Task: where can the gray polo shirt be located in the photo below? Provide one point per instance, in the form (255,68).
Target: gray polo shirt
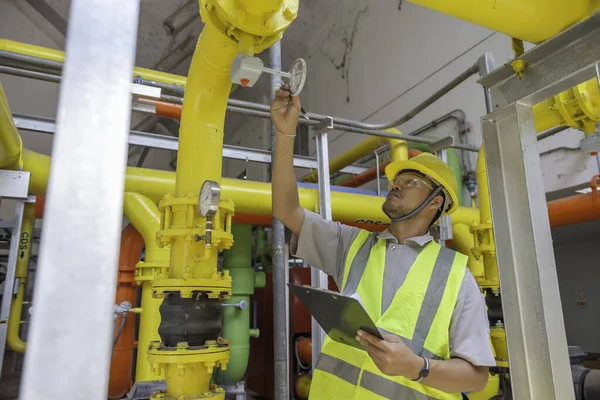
(325,244)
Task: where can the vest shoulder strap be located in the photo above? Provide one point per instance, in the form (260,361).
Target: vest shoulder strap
(360,240)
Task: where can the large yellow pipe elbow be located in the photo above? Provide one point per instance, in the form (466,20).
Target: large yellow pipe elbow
(143,214)
(398,152)
(533,20)
(11,146)
(13,339)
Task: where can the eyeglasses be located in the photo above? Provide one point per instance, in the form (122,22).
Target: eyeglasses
(408,182)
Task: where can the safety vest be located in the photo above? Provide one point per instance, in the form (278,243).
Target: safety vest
(420,314)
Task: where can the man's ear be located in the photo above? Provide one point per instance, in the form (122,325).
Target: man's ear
(437,202)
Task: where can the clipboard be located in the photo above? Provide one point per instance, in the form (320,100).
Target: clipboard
(341,317)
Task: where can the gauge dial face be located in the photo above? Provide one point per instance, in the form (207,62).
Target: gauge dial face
(208,201)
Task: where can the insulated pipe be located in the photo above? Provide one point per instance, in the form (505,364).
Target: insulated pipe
(11,145)
(143,214)
(533,20)
(13,338)
(121,363)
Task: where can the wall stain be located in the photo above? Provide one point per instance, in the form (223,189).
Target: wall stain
(347,39)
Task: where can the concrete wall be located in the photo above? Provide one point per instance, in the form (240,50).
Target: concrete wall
(373,62)
(578,266)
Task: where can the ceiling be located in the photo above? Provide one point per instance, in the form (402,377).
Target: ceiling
(157,48)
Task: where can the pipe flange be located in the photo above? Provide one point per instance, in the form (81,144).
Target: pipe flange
(219,287)
(215,393)
(243,21)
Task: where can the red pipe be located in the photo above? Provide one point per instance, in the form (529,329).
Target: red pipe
(371,173)
(121,364)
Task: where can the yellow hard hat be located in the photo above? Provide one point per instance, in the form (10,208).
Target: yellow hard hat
(436,170)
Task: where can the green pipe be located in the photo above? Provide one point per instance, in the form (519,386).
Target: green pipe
(236,321)
(453,163)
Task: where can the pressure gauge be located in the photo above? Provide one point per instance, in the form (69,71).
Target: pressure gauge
(210,196)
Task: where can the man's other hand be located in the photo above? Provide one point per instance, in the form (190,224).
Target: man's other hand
(391,355)
(285,111)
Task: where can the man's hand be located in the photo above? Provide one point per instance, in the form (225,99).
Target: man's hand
(391,355)
(285,111)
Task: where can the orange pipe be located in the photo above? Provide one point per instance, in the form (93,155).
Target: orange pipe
(367,176)
(576,209)
(121,364)
(163,108)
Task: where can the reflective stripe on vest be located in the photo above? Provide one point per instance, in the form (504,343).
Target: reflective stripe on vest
(420,313)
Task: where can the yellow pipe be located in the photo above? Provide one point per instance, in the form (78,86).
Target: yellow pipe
(464,242)
(578,107)
(484,233)
(57,55)
(531,20)
(200,155)
(13,339)
(249,197)
(398,151)
(11,145)
(143,214)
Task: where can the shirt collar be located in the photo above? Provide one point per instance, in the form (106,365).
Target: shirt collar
(419,241)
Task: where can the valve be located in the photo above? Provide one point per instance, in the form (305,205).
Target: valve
(241,305)
(246,70)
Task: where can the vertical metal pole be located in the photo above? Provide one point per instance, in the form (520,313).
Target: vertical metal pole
(280,289)
(9,281)
(70,341)
(317,277)
(535,330)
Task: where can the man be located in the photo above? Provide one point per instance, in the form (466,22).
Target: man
(421,294)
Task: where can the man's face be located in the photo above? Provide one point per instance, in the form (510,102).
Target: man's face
(407,191)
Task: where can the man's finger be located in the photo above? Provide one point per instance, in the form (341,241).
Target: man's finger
(296,102)
(376,356)
(375,341)
(282,94)
(391,338)
(369,347)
